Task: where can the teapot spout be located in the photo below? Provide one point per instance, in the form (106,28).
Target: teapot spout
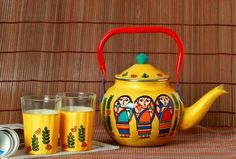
(193,114)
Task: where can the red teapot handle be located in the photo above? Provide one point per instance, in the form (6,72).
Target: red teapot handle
(147,29)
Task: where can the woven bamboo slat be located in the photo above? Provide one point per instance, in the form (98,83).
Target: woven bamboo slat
(50,46)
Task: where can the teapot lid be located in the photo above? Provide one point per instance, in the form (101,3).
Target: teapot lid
(142,71)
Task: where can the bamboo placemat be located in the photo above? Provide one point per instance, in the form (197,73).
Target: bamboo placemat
(199,142)
(50,46)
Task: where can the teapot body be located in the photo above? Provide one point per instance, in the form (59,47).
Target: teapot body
(141,113)
(141,109)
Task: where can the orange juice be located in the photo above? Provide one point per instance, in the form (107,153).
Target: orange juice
(41,128)
(76,128)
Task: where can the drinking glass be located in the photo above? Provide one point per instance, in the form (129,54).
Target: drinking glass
(77,119)
(41,119)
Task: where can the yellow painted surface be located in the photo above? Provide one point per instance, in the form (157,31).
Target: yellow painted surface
(194,113)
(134,90)
(136,72)
(72,118)
(35,122)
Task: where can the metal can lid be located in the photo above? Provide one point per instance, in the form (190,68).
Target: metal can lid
(5,143)
(15,138)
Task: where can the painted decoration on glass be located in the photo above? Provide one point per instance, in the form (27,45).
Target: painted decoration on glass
(35,143)
(81,136)
(46,138)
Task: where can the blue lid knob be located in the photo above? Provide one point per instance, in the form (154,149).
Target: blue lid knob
(142,58)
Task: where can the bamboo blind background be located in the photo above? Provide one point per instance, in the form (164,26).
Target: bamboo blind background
(49,46)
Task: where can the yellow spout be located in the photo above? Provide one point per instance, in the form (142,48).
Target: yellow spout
(194,114)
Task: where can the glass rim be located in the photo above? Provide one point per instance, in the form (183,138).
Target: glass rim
(76,95)
(39,97)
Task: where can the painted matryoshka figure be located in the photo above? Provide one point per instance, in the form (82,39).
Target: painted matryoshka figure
(164,112)
(123,114)
(144,112)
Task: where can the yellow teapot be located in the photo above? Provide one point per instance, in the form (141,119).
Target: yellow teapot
(141,109)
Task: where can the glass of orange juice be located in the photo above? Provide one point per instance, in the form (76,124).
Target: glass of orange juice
(41,120)
(77,118)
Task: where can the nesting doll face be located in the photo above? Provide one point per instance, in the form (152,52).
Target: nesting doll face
(164,100)
(124,101)
(144,102)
